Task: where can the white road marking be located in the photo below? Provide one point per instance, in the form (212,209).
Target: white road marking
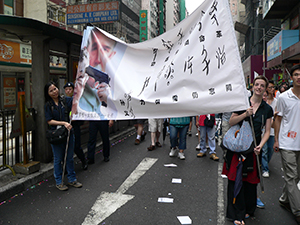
(220,200)
(107,203)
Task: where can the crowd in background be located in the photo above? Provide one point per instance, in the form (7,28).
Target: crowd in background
(267,102)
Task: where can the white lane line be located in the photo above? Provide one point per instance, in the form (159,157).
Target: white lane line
(220,200)
(140,170)
(107,203)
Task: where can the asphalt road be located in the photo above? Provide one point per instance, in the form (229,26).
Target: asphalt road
(126,190)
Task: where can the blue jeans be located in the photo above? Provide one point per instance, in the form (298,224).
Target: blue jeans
(59,157)
(210,136)
(182,136)
(267,152)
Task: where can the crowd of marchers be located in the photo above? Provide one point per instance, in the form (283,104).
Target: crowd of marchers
(274,115)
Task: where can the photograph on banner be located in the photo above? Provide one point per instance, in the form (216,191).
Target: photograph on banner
(99,58)
(192,69)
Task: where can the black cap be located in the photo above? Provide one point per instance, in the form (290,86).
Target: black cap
(69,84)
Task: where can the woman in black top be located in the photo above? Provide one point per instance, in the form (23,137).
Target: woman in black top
(261,113)
(55,108)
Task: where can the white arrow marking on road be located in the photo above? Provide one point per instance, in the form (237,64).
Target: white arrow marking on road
(107,203)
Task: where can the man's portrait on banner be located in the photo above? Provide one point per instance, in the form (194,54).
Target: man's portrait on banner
(93,79)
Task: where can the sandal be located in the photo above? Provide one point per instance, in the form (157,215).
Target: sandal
(238,222)
(151,148)
(158,144)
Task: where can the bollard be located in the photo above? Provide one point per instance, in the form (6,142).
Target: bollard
(25,168)
(23,127)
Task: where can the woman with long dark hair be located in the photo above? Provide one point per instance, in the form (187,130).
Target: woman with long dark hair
(244,204)
(55,113)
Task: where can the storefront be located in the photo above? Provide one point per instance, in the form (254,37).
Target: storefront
(16,70)
(284,48)
(32,53)
(282,52)
(253,66)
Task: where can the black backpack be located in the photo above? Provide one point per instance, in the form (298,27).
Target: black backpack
(209,122)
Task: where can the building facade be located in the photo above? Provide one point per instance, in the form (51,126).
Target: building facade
(257,33)
(175,12)
(283,50)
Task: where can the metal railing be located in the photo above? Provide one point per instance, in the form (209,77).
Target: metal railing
(11,149)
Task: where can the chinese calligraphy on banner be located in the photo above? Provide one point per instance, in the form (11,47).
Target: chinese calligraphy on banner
(193,69)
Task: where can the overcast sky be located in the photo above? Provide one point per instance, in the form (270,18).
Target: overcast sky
(191,5)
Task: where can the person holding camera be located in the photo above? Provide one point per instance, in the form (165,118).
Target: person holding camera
(206,124)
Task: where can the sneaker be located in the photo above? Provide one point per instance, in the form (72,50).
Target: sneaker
(198,147)
(201,154)
(196,134)
(172,152)
(137,142)
(75,184)
(181,155)
(214,157)
(266,174)
(62,187)
(189,133)
(151,148)
(260,204)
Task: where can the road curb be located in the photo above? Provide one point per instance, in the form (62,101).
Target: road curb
(12,185)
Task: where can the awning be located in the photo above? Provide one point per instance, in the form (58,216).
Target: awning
(26,30)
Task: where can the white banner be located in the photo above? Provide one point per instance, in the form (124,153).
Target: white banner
(193,69)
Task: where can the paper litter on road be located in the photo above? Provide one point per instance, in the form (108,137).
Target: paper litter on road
(184,219)
(170,165)
(176,181)
(165,200)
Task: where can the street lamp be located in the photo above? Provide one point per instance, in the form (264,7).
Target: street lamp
(264,48)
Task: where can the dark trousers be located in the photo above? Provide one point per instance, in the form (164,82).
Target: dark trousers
(245,201)
(102,127)
(77,133)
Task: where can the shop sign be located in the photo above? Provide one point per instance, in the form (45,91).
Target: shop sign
(143,25)
(14,52)
(92,13)
(280,42)
(9,90)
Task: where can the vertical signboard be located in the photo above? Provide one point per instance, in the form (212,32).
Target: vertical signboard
(9,91)
(143,25)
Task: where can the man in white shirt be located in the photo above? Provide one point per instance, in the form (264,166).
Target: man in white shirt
(287,142)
